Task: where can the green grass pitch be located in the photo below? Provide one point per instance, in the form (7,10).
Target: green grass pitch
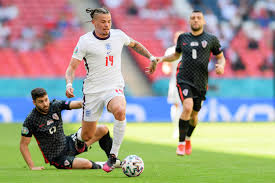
(222,153)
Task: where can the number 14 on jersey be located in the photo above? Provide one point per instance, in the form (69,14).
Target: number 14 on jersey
(109,60)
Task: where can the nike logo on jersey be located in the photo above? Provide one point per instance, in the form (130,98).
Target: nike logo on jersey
(184,44)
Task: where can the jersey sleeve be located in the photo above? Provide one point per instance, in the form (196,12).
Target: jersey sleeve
(79,51)
(216,46)
(125,38)
(26,130)
(179,44)
(61,104)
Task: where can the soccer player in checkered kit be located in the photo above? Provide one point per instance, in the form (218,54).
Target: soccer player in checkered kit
(45,123)
(104,83)
(195,47)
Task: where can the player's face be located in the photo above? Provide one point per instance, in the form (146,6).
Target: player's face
(102,23)
(196,21)
(42,104)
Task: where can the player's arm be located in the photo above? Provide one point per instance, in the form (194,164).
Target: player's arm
(139,48)
(76,104)
(70,73)
(169,58)
(24,149)
(220,63)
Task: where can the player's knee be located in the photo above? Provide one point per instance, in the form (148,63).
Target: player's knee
(87,165)
(103,129)
(187,109)
(86,136)
(119,114)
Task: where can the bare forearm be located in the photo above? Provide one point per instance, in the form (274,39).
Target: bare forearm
(69,75)
(139,48)
(76,105)
(171,58)
(26,155)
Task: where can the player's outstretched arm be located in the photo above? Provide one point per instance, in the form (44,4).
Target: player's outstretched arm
(76,104)
(139,48)
(220,64)
(170,58)
(70,72)
(24,149)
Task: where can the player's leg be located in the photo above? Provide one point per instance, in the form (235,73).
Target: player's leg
(82,163)
(71,162)
(84,134)
(102,135)
(186,96)
(117,106)
(92,110)
(192,124)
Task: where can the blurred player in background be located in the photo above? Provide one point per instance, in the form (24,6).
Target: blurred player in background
(45,123)
(173,94)
(104,84)
(192,75)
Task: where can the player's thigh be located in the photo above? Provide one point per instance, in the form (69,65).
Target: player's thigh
(81,163)
(93,105)
(115,100)
(63,162)
(186,96)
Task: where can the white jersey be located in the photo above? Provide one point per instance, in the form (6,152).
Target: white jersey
(173,96)
(102,59)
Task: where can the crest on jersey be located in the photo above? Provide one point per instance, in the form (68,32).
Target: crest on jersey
(25,130)
(55,116)
(185,92)
(204,43)
(108,48)
(76,50)
(49,122)
(88,113)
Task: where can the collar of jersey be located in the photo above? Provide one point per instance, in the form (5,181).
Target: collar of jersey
(197,35)
(100,37)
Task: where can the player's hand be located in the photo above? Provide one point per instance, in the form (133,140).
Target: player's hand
(151,69)
(153,65)
(69,92)
(219,69)
(38,168)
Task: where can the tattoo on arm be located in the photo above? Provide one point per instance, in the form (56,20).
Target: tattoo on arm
(69,75)
(139,48)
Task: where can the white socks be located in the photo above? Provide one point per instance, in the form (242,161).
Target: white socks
(119,131)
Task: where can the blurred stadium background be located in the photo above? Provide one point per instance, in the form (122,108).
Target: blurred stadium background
(37,38)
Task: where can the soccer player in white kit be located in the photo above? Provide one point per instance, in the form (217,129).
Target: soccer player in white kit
(104,83)
(173,94)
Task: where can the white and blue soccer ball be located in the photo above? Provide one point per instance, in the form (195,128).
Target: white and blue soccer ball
(132,166)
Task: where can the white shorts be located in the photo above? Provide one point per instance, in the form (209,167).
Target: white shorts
(93,104)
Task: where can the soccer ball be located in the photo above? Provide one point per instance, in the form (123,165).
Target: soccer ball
(132,166)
